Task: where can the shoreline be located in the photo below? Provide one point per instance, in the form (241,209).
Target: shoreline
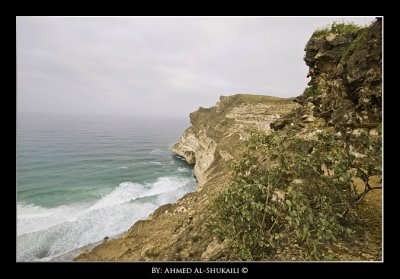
(70,255)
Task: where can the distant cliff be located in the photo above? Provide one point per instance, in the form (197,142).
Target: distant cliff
(217,132)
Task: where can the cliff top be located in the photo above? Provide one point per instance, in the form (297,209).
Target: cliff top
(227,103)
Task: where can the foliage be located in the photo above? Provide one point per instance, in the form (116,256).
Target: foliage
(310,91)
(353,45)
(315,177)
(338,28)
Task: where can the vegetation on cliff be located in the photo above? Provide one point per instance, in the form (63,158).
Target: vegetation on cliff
(296,192)
(338,28)
(293,196)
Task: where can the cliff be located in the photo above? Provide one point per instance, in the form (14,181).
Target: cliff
(178,231)
(346,77)
(217,132)
(344,97)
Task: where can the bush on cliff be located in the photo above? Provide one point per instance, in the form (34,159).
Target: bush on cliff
(338,28)
(290,197)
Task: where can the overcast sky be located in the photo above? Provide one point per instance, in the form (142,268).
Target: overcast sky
(157,66)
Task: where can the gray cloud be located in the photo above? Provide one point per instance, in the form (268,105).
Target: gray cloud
(157,66)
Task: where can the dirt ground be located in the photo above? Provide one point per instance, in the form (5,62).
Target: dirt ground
(366,243)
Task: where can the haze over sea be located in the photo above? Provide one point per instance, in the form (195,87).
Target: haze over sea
(82,178)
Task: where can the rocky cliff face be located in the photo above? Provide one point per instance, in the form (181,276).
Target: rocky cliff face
(178,231)
(344,97)
(345,90)
(346,77)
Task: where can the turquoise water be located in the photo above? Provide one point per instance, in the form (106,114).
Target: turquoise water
(80,179)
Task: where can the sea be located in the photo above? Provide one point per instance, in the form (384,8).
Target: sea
(83,178)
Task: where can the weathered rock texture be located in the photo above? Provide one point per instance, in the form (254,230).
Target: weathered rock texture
(216,132)
(346,75)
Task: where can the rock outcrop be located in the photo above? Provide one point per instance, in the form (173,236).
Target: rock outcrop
(345,90)
(346,77)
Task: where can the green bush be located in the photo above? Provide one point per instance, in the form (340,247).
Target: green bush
(338,28)
(313,174)
(310,91)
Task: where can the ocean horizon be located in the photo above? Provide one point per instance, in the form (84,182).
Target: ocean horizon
(83,178)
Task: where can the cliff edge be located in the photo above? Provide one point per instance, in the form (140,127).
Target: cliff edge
(178,231)
(216,133)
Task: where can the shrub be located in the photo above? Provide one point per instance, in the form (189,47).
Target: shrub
(314,177)
(338,28)
(310,91)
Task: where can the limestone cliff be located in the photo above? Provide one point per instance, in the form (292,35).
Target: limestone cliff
(216,133)
(178,231)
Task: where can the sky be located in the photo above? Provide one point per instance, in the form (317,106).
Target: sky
(158,66)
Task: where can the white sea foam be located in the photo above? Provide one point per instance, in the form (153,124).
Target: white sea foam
(183,170)
(156,163)
(157,152)
(32,218)
(179,157)
(44,233)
